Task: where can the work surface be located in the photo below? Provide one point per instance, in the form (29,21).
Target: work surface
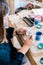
(34,54)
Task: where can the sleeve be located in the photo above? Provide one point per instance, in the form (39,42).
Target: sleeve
(7,59)
(4,57)
(17,59)
(10,32)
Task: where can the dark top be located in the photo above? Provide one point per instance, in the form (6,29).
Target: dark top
(9,54)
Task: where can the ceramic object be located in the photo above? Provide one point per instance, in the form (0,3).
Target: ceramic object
(40,46)
(38,35)
(41,60)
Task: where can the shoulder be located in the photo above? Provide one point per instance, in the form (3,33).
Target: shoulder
(9,32)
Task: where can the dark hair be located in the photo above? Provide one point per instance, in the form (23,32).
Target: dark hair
(3,12)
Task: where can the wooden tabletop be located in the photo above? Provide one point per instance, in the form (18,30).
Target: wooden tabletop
(34,54)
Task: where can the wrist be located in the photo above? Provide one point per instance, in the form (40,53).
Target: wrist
(24,49)
(27,45)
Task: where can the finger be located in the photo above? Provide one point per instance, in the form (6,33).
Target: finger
(22,33)
(29,37)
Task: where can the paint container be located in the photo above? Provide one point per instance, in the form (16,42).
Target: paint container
(41,60)
(40,45)
(39,26)
(37,19)
(38,35)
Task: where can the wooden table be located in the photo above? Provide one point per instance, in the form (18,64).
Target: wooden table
(34,54)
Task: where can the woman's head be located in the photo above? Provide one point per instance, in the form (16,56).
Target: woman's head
(3,12)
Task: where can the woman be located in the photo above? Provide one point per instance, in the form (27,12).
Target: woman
(8,54)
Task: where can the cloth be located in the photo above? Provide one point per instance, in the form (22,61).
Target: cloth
(9,54)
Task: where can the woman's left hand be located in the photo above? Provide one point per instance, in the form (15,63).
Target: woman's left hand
(21,31)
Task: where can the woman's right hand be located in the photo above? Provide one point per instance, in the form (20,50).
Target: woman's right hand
(27,44)
(29,41)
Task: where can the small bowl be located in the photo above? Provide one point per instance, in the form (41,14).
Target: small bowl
(39,26)
(40,46)
(41,60)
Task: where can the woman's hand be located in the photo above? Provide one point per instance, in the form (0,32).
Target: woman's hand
(21,31)
(27,44)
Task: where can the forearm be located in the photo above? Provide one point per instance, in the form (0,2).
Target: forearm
(14,33)
(24,49)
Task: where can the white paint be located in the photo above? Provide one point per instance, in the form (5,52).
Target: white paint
(19,3)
